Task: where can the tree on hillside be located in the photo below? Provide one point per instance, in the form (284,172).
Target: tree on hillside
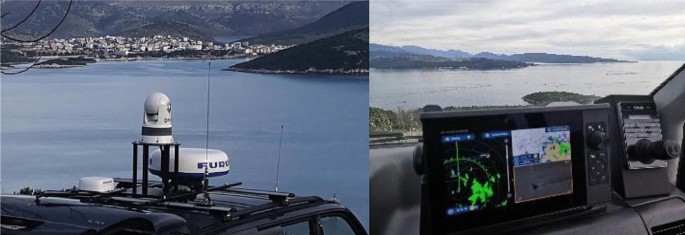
(7,32)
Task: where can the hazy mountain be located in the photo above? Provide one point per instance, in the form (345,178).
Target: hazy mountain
(207,18)
(416,50)
(378,47)
(453,54)
(169,28)
(84,19)
(390,54)
(243,17)
(352,16)
(383,51)
(490,55)
(344,53)
(414,57)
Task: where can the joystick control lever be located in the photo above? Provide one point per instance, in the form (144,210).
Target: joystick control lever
(647,151)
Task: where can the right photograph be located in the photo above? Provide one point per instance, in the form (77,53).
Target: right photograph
(526,117)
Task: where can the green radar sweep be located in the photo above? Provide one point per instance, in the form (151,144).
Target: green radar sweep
(480,192)
(481,184)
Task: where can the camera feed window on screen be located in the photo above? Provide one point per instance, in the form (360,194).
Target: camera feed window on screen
(494,169)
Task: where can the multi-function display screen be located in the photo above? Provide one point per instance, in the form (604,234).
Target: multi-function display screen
(485,168)
(502,167)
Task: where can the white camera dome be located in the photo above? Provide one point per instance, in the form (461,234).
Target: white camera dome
(157,119)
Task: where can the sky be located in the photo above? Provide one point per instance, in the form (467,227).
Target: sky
(622,29)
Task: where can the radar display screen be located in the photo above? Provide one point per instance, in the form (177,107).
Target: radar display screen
(497,168)
(492,167)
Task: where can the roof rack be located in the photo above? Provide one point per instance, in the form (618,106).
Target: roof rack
(269,206)
(123,197)
(279,197)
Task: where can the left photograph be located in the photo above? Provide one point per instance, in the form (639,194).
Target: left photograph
(184,117)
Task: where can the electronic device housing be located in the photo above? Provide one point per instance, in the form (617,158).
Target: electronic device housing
(632,178)
(669,97)
(586,127)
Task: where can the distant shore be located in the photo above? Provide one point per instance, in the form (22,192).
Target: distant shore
(56,66)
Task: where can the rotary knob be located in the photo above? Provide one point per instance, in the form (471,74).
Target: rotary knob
(597,139)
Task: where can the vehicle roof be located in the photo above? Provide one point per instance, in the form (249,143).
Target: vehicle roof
(232,209)
(255,211)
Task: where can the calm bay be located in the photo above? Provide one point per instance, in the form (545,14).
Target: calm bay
(59,125)
(410,89)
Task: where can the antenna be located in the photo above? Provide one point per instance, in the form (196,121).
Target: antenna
(278,166)
(206,175)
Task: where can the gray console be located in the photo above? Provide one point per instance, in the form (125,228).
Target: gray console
(496,171)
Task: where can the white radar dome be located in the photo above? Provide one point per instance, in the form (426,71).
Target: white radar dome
(191,164)
(96,184)
(157,120)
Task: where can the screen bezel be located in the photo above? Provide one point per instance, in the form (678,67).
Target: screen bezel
(435,125)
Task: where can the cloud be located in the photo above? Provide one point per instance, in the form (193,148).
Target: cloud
(659,52)
(605,28)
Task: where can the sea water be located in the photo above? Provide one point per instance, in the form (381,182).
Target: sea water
(59,125)
(409,89)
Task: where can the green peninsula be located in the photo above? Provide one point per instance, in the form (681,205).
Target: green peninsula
(346,53)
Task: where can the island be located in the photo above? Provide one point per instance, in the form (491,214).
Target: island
(542,98)
(64,62)
(432,62)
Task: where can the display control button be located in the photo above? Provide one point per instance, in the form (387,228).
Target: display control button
(598,168)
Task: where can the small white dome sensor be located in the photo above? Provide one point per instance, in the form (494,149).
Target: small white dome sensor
(157,120)
(96,184)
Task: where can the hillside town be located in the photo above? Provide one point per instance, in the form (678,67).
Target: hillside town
(113,47)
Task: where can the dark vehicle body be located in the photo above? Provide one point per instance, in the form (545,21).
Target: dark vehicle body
(229,210)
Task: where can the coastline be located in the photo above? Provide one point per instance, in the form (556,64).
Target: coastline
(56,66)
(258,71)
(123,59)
(309,71)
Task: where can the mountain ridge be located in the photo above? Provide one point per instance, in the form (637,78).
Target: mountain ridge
(381,51)
(352,16)
(209,18)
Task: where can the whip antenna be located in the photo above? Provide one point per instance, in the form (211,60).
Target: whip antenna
(206,175)
(278,166)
